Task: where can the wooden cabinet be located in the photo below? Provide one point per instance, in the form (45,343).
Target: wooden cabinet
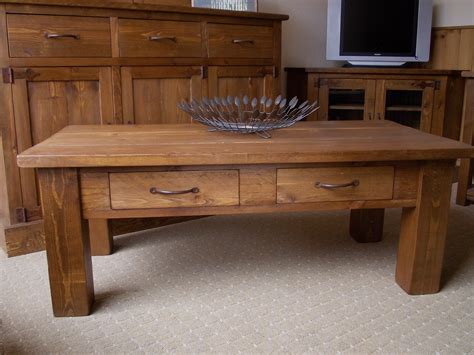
(150,94)
(58,36)
(148,38)
(112,62)
(45,100)
(342,99)
(253,81)
(240,41)
(429,100)
(408,102)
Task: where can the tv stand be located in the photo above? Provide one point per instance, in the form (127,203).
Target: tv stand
(429,100)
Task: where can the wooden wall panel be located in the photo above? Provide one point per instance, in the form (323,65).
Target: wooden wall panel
(452,48)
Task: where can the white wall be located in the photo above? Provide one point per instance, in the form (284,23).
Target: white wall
(304,34)
(453,13)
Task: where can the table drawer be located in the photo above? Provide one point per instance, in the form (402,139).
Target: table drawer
(329,184)
(174,189)
(240,41)
(58,36)
(149,38)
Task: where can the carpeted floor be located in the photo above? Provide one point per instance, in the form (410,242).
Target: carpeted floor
(252,284)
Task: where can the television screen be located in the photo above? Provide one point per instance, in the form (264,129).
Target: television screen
(379,27)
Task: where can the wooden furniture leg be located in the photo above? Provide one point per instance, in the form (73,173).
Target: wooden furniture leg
(100,232)
(423,231)
(67,243)
(366,226)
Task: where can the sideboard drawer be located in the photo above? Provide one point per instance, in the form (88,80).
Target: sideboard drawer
(238,41)
(58,36)
(149,38)
(174,189)
(335,184)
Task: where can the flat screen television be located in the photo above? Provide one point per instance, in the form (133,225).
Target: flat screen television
(379,32)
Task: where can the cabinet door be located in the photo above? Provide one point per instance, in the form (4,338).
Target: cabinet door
(150,94)
(46,100)
(345,99)
(408,102)
(240,81)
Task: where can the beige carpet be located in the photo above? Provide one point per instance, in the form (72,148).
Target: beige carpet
(252,284)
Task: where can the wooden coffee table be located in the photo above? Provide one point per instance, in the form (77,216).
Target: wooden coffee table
(98,173)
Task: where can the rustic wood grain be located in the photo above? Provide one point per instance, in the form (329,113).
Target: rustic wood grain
(298,185)
(68,81)
(132,190)
(24,238)
(442,92)
(423,231)
(252,81)
(45,100)
(24,140)
(258,41)
(13,193)
(467,136)
(257,186)
(452,48)
(27,36)
(101,239)
(67,243)
(151,94)
(366,226)
(134,38)
(306,142)
(144,7)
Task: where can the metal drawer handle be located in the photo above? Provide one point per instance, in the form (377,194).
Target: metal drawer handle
(238,41)
(162,38)
(61,35)
(156,191)
(322,185)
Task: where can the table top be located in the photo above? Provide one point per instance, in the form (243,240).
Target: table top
(192,144)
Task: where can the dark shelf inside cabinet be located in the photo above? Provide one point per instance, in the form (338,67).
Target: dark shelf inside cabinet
(406,118)
(344,97)
(346,114)
(404,107)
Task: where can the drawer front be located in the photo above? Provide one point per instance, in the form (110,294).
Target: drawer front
(148,38)
(174,189)
(314,185)
(58,36)
(239,41)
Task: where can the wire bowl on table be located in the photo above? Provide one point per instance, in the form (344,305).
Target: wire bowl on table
(240,114)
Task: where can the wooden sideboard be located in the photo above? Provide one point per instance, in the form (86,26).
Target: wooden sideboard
(465,194)
(430,100)
(91,62)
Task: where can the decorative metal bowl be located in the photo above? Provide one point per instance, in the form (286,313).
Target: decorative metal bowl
(242,115)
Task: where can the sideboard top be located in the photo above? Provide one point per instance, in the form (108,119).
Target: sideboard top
(103,4)
(193,144)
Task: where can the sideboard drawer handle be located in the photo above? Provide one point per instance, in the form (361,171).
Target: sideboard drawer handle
(61,35)
(156,191)
(322,185)
(239,41)
(161,38)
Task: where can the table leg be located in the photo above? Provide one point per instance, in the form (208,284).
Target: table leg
(366,226)
(67,243)
(102,242)
(423,231)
